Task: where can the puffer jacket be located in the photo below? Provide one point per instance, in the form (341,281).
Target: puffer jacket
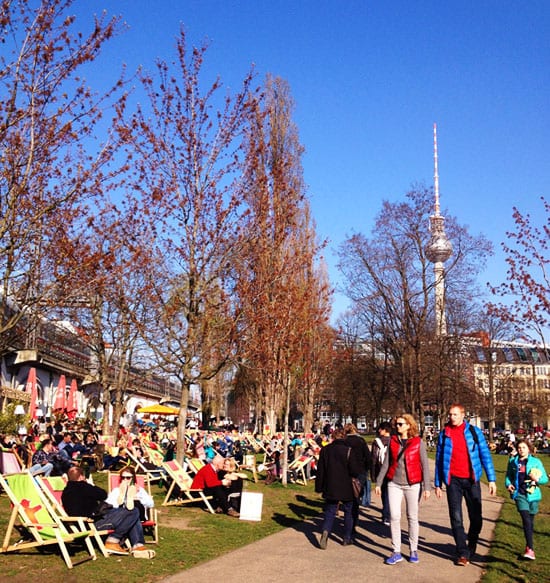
(512,476)
(480,456)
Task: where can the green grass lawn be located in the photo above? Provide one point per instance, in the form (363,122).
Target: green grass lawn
(188,536)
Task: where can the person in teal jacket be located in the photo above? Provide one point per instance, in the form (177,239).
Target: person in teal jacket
(524,476)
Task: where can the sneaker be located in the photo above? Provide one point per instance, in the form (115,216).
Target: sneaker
(324,539)
(144,554)
(115,549)
(529,554)
(346,542)
(139,548)
(414,557)
(233,512)
(462,561)
(386,522)
(394,558)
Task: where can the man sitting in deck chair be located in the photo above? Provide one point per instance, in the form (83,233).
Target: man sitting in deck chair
(83,499)
(207,480)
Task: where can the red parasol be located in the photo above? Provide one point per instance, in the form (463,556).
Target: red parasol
(60,396)
(32,390)
(72,406)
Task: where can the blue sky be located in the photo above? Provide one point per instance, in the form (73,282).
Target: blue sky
(369,80)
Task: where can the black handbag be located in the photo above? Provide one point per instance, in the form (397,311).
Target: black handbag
(101,510)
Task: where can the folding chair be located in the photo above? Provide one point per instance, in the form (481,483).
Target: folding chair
(53,487)
(156,456)
(298,466)
(153,475)
(194,464)
(10,463)
(34,513)
(249,463)
(183,480)
(150,524)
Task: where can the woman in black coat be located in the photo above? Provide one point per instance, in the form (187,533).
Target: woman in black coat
(337,465)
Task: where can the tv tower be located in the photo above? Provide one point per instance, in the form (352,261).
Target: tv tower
(438,250)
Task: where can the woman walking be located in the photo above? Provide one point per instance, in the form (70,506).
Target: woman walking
(406,469)
(524,475)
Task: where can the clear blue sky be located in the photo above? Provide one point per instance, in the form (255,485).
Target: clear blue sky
(369,80)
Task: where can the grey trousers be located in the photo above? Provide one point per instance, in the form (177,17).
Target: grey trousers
(396,493)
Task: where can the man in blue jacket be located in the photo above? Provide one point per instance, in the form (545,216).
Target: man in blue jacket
(462,454)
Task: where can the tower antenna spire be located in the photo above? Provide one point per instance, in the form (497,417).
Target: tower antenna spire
(436,174)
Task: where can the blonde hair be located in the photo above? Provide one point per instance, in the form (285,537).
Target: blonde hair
(230,461)
(411,421)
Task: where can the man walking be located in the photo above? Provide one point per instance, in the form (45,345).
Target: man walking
(462,454)
(379,448)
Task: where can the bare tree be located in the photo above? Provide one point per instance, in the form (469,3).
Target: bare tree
(389,275)
(50,160)
(186,179)
(527,282)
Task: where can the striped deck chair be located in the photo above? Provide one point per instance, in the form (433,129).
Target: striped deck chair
(183,480)
(53,487)
(298,467)
(150,524)
(32,511)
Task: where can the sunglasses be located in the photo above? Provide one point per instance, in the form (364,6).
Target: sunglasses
(399,424)
(126,477)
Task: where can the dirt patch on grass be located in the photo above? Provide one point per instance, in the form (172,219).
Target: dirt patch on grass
(179,522)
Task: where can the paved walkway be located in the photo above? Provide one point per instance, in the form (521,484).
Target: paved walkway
(294,555)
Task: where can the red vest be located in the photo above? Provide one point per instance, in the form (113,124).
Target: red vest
(413,465)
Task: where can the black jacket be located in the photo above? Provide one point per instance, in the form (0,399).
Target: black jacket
(81,498)
(361,449)
(337,463)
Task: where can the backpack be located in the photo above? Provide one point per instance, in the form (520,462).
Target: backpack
(381,450)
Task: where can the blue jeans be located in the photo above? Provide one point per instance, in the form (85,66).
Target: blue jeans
(366,495)
(39,469)
(331,506)
(471,492)
(124,523)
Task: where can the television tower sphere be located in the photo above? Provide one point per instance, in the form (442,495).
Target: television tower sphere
(439,248)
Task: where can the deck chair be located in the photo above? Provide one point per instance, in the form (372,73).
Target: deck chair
(33,512)
(298,466)
(155,455)
(249,463)
(53,487)
(150,524)
(10,463)
(183,480)
(153,475)
(194,464)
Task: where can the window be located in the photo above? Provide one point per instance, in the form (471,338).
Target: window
(521,354)
(480,354)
